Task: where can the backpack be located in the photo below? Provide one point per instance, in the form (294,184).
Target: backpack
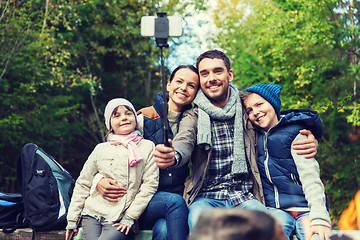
(11,212)
(46,188)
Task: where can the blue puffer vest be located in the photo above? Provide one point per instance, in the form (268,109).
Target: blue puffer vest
(171,179)
(280,179)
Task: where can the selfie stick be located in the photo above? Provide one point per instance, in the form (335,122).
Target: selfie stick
(159,27)
(161,36)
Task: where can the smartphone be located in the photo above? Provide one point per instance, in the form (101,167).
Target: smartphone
(149,28)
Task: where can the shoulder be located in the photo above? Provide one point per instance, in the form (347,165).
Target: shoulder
(146,148)
(147,143)
(188,119)
(301,115)
(192,112)
(149,112)
(304,118)
(101,146)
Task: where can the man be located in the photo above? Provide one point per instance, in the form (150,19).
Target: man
(225,172)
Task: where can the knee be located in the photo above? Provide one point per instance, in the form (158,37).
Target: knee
(176,202)
(176,199)
(160,230)
(194,214)
(285,219)
(253,204)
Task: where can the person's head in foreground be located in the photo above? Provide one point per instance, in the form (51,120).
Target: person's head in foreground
(236,224)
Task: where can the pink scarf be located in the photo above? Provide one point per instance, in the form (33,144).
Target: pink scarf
(130,142)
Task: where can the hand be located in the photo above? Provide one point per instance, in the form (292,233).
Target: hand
(306,147)
(70,233)
(164,156)
(122,228)
(324,232)
(110,190)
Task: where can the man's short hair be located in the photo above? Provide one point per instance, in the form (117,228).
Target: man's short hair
(214,54)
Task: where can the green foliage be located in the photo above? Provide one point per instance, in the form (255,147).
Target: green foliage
(310,48)
(340,173)
(60,63)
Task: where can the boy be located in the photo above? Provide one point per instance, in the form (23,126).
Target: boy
(292,187)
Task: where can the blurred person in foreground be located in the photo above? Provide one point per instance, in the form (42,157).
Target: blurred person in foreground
(236,224)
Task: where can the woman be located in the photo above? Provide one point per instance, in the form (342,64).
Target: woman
(167,212)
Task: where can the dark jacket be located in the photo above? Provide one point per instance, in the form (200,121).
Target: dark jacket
(280,178)
(171,179)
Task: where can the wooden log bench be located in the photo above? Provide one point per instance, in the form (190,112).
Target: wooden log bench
(354,234)
(26,234)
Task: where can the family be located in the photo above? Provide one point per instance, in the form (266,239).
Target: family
(244,153)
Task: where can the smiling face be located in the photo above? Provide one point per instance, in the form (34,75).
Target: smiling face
(260,111)
(123,121)
(215,80)
(182,89)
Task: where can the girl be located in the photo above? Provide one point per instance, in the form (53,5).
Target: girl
(128,159)
(167,212)
(292,186)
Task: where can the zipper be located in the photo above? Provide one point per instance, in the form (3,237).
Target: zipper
(267,171)
(293,177)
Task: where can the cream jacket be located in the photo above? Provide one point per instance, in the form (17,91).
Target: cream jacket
(141,182)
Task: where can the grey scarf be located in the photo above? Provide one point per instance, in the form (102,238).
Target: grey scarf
(233,108)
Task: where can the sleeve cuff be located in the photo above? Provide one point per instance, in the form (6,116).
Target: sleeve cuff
(128,221)
(96,180)
(71,225)
(320,222)
(177,159)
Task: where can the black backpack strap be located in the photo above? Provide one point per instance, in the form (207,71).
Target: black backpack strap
(21,222)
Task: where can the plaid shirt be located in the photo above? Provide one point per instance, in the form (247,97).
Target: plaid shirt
(219,182)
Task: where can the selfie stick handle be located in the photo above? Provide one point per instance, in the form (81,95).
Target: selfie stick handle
(165,105)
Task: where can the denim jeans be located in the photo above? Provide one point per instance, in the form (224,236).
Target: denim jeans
(95,230)
(201,204)
(166,214)
(296,224)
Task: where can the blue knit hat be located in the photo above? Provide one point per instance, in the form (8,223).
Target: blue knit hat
(270,92)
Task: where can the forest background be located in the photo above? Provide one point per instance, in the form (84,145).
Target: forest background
(61,61)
